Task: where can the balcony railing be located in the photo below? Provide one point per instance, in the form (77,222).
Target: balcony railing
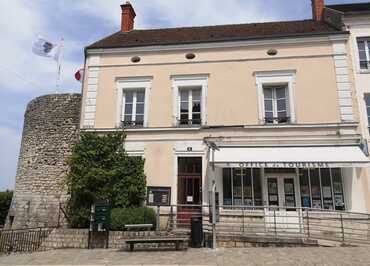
(277,120)
(189,122)
(132,124)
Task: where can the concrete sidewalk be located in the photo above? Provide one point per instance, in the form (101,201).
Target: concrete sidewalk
(244,256)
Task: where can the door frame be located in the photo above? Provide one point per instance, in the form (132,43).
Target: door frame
(281,176)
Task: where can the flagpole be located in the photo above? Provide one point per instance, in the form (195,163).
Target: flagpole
(59,66)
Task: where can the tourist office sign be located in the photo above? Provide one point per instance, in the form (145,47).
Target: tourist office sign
(282,164)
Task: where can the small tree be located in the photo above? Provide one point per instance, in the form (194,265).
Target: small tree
(5,201)
(101,170)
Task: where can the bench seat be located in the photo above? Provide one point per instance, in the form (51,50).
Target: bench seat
(175,240)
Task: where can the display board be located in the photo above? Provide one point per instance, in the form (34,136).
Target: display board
(159,196)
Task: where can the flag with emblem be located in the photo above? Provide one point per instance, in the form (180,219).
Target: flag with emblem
(43,47)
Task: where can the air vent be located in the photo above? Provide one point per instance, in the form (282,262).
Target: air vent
(272,52)
(135,59)
(190,56)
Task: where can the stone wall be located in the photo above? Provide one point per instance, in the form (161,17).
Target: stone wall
(78,238)
(51,125)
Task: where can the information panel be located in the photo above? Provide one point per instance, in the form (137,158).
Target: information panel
(159,196)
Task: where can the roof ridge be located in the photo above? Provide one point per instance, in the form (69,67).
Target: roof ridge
(221,25)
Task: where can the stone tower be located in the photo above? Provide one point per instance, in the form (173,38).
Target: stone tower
(51,125)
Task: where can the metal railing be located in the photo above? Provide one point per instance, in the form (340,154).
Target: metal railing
(22,240)
(271,222)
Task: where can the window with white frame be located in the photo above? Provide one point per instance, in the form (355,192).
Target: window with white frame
(190,106)
(189,100)
(133,108)
(276,103)
(275,96)
(363,45)
(133,102)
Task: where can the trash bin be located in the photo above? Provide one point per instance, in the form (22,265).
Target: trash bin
(196,232)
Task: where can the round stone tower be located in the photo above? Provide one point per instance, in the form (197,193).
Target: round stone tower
(51,125)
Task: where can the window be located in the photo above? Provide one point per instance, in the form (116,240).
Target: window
(133,102)
(133,108)
(275,91)
(367,102)
(190,106)
(276,104)
(363,45)
(189,100)
(242,187)
(321,188)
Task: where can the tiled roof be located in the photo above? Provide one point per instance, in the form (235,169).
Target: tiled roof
(351,8)
(221,33)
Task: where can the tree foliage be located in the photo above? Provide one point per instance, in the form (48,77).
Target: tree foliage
(5,201)
(101,170)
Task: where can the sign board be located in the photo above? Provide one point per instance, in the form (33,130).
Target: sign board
(159,196)
(101,216)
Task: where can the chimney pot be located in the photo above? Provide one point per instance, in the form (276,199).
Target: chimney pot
(128,16)
(317,9)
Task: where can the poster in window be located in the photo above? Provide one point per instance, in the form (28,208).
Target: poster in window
(339,200)
(315,191)
(305,190)
(326,191)
(337,187)
(159,196)
(316,204)
(306,201)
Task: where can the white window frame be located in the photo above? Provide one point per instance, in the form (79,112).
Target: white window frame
(274,100)
(367,41)
(189,81)
(133,84)
(273,78)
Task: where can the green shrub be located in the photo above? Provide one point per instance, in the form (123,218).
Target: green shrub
(5,201)
(101,171)
(141,215)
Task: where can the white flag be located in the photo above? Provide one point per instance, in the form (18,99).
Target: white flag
(45,48)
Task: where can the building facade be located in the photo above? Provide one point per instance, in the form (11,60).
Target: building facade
(266,113)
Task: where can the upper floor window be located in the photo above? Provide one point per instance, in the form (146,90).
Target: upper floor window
(133,108)
(367,102)
(190,106)
(189,100)
(275,96)
(363,52)
(276,104)
(133,102)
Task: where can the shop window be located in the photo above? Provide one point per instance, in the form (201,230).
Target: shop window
(326,189)
(321,188)
(305,188)
(367,103)
(242,187)
(338,189)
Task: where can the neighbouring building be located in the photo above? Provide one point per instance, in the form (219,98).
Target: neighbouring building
(267,111)
(356,19)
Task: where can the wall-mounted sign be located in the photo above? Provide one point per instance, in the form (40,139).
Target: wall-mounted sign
(159,196)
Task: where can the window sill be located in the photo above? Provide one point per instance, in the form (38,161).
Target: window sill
(363,72)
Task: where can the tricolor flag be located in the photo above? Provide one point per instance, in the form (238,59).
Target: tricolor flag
(79,75)
(46,48)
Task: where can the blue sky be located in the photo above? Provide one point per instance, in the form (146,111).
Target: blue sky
(24,75)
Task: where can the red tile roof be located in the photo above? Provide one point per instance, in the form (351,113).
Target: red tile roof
(221,33)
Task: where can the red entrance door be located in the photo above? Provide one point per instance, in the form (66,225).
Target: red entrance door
(189,189)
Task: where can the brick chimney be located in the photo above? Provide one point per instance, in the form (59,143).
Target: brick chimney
(128,16)
(317,9)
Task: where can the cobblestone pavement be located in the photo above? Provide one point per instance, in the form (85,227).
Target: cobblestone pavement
(243,256)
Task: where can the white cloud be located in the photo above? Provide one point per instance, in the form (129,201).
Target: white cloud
(10,145)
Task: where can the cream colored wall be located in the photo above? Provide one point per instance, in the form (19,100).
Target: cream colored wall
(232,95)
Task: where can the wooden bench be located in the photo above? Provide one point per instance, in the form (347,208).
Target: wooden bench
(175,240)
